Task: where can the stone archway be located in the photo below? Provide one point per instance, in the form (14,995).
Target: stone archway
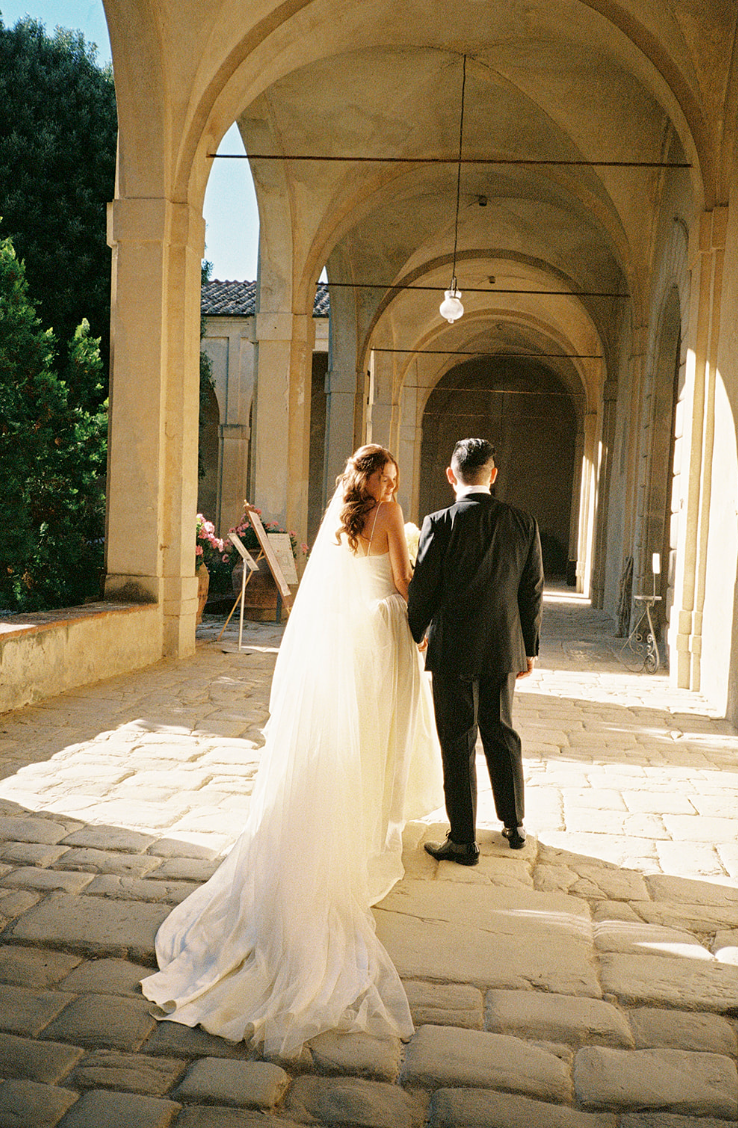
(527,412)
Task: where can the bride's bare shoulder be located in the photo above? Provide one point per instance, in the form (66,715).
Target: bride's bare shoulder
(390,512)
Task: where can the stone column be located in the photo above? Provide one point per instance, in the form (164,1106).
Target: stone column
(587,502)
(339,422)
(704,334)
(609,410)
(154,401)
(281,418)
(572,570)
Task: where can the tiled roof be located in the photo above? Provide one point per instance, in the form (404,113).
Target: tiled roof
(238,299)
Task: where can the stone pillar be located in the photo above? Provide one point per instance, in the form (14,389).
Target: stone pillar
(609,411)
(281,418)
(409,444)
(576,504)
(704,334)
(587,502)
(154,403)
(234,452)
(339,422)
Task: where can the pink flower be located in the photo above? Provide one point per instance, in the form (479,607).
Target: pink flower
(226,558)
(198,550)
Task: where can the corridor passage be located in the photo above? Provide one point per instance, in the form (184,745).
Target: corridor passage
(589,980)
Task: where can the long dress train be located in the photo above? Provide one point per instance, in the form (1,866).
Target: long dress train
(280,945)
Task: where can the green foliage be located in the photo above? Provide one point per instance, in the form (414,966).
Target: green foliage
(58,136)
(52,457)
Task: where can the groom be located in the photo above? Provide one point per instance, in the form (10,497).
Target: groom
(478,586)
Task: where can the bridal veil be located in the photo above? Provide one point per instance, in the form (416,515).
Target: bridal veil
(279,945)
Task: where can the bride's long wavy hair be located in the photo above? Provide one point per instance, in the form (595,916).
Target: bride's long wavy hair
(357,501)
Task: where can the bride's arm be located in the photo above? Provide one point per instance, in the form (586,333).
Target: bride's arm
(402,571)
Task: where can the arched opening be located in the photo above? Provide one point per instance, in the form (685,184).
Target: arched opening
(524,408)
(208,457)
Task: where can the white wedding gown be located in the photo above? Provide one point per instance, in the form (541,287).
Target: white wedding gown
(279,945)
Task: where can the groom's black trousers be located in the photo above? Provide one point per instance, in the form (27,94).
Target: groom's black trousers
(463,708)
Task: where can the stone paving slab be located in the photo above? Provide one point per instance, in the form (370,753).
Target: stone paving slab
(247,1084)
(443,930)
(556,1018)
(443,1057)
(137,1073)
(640,939)
(28,877)
(207,1116)
(103,861)
(101,1109)
(106,977)
(32,830)
(674,1080)
(110,838)
(92,925)
(476,1108)
(140,889)
(26,1011)
(445,1004)
(34,967)
(358,1054)
(682,1030)
(355,1103)
(46,1062)
(172,1038)
(671,1120)
(102,1020)
(31,853)
(27,1104)
(671,982)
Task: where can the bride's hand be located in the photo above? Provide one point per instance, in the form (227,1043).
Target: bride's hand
(423,646)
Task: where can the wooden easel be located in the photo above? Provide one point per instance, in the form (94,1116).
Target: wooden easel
(250,565)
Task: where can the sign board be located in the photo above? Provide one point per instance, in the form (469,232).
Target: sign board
(271,557)
(282,546)
(243,552)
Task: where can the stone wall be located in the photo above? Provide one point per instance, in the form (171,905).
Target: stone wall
(55,651)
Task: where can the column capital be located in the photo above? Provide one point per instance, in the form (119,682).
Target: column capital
(712,230)
(142,220)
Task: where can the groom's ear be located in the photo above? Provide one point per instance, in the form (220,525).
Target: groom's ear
(493,475)
(451,477)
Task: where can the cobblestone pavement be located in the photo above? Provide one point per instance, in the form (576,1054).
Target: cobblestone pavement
(589,980)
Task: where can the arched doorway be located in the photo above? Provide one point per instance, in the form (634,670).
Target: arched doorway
(524,408)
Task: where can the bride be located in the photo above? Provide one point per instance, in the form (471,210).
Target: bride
(280,945)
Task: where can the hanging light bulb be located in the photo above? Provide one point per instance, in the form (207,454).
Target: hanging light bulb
(451,307)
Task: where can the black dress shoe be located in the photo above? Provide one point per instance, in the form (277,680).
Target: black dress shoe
(515,836)
(466,854)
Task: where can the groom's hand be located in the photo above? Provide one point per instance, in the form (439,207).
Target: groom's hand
(529,670)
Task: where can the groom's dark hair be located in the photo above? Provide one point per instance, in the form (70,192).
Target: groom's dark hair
(471,458)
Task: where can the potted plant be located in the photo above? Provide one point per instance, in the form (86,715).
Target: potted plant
(208,550)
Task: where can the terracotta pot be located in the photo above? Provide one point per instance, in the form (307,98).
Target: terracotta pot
(260,602)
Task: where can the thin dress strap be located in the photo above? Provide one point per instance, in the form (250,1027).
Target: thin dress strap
(374,522)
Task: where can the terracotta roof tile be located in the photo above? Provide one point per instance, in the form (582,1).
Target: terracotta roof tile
(238,299)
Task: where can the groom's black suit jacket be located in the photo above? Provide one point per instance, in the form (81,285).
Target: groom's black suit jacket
(478,584)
